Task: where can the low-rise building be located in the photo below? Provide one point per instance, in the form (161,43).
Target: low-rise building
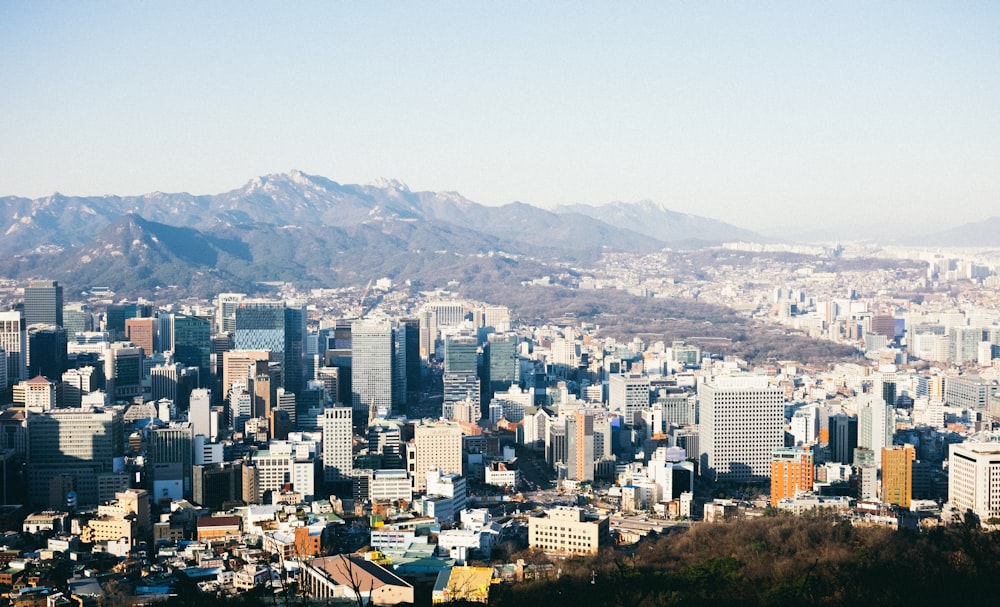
(567,530)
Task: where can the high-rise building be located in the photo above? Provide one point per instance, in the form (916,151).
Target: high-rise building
(278,329)
(580,452)
(47,351)
(461,354)
(40,394)
(78,382)
(117,314)
(502,367)
(897,474)
(169,460)
(792,471)
(192,345)
(81,443)
(371,369)
(843,437)
(142,333)
(435,445)
(337,452)
(215,485)
(627,395)
(200,413)
(876,425)
(14,343)
(77,319)
(226,311)
(974,478)
(43,303)
(414,365)
(240,365)
(123,369)
(741,422)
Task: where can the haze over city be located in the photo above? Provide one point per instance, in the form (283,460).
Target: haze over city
(764,115)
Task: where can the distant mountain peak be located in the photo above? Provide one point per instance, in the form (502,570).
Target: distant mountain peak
(386,183)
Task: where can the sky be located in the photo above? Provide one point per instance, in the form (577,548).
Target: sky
(762,114)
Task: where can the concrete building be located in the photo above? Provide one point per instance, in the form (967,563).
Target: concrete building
(792,471)
(897,474)
(627,395)
(435,445)
(337,449)
(742,422)
(974,480)
(565,530)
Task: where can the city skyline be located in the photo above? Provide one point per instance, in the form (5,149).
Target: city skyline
(758,115)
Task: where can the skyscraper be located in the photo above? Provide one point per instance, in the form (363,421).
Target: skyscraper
(742,422)
(337,462)
(47,351)
(43,303)
(627,395)
(82,443)
(876,425)
(192,345)
(14,343)
(279,329)
(897,474)
(371,369)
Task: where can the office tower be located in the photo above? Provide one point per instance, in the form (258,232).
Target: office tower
(580,452)
(973,470)
(123,369)
(876,424)
(792,471)
(240,365)
(214,486)
(497,317)
(502,367)
(968,392)
(428,333)
(14,343)
(384,438)
(200,413)
(43,303)
(414,365)
(169,460)
(741,422)
(459,387)
(47,351)
(278,329)
(265,390)
(627,395)
(897,474)
(225,311)
(117,314)
(77,319)
(963,344)
(330,377)
(885,325)
(77,382)
(435,445)
(843,438)
(399,387)
(39,394)
(461,354)
(337,446)
(80,443)
(192,345)
(371,369)
(163,381)
(142,333)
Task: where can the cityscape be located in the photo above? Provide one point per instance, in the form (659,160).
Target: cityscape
(388,445)
(493,303)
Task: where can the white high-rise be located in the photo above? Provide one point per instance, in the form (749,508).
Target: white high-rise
(627,395)
(200,413)
(337,462)
(974,479)
(876,424)
(14,342)
(742,421)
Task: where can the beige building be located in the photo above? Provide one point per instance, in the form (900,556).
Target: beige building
(345,576)
(435,445)
(567,530)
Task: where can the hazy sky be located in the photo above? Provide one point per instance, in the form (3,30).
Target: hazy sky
(753,112)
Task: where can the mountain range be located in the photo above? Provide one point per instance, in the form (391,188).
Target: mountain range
(314,231)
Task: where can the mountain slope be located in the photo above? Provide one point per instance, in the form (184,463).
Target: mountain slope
(656,221)
(985,233)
